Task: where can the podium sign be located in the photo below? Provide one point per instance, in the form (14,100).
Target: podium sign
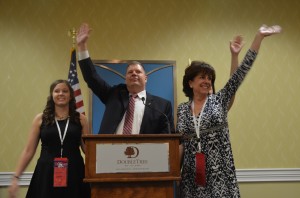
(132,157)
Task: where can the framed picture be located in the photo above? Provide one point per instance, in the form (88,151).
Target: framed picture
(161,82)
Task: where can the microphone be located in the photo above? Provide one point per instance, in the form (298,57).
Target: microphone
(167,119)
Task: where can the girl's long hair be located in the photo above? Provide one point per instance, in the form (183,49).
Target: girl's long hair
(49,111)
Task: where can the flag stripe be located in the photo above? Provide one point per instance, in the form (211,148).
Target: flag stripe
(81,110)
(76,86)
(78,98)
(77,92)
(79,104)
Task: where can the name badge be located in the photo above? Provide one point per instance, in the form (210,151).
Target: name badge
(200,169)
(60,172)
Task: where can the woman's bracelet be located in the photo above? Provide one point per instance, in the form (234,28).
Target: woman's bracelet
(17,177)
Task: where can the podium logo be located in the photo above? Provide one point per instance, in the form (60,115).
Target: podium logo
(132,152)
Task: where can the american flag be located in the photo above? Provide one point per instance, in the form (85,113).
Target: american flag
(73,80)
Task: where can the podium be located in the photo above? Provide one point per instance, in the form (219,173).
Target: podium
(138,166)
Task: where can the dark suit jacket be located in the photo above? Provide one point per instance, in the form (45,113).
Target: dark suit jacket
(116,99)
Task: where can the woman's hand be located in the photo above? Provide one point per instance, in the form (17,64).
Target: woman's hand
(236,44)
(264,30)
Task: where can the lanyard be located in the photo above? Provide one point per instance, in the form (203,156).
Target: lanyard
(60,137)
(197,124)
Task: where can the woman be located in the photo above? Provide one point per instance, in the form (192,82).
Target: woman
(59,171)
(208,166)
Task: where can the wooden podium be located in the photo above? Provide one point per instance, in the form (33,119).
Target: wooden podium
(143,184)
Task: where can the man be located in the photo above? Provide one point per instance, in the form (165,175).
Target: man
(152,118)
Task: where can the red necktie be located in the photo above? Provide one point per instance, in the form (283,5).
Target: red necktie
(127,130)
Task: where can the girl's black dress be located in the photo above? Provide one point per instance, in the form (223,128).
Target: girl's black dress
(41,185)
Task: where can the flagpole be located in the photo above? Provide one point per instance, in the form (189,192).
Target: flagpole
(72,75)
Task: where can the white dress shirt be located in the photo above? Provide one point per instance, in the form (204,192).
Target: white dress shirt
(138,115)
(83,55)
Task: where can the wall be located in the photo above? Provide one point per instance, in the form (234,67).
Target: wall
(264,122)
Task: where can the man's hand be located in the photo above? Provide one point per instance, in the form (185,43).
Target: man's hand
(82,36)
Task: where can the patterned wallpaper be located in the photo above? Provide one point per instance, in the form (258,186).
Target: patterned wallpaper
(264,120)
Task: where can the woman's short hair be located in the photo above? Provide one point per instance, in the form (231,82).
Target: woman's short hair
(194,69)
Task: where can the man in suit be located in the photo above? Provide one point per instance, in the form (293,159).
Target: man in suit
(152,114)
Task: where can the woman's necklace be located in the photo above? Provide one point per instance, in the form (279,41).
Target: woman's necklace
(197,106)
(63,117)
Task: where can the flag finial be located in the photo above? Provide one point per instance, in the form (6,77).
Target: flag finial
(72,33)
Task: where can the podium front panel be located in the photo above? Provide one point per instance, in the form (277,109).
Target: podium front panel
(167,144)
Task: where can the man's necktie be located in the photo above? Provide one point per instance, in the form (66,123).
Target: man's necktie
(127,130)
